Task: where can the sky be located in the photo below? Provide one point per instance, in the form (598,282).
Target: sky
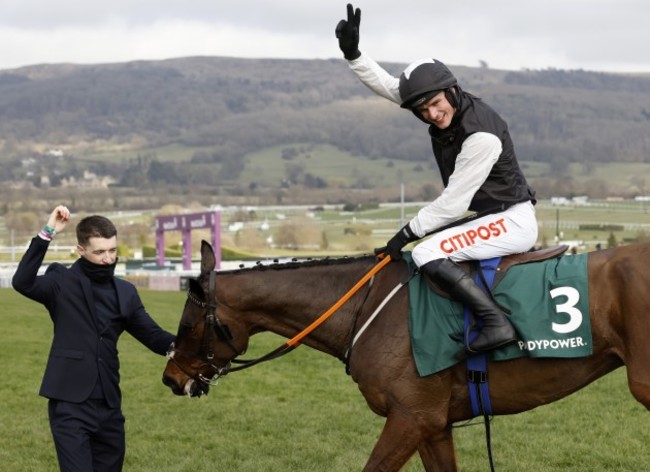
(597,35)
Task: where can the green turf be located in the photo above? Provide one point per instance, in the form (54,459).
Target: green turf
(298,413)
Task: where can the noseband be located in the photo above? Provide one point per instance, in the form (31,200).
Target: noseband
(212,327)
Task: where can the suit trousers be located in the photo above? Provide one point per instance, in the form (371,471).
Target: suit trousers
(88,436)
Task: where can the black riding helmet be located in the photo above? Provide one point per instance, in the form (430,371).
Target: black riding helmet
(422,80)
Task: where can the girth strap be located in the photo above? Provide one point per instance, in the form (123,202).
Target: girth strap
(477,376)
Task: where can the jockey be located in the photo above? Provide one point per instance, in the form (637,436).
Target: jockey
(480,173)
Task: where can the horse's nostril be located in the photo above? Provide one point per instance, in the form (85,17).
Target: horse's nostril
(169,382)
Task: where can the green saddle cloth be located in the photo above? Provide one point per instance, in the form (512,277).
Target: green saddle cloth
(549,306)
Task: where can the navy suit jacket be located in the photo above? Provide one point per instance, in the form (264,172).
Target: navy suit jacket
(84,347)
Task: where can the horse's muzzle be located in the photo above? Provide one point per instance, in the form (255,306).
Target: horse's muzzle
(191,388)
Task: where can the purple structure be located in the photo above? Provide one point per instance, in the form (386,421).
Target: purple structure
(185,224)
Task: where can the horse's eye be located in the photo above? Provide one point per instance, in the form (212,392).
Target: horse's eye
(185,329)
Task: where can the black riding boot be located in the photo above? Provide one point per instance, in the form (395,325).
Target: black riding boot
(497,330)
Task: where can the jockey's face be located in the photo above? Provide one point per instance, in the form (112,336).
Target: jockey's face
(437,111)
(99,250)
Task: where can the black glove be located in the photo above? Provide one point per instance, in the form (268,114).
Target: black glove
(347,31)
(396,243)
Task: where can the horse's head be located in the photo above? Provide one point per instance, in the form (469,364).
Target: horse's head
(205,343)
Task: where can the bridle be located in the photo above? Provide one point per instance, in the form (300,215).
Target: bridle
(213,327)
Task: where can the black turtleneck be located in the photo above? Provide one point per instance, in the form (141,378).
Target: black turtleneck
(100,273)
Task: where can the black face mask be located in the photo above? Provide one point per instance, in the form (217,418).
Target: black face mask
(99,273)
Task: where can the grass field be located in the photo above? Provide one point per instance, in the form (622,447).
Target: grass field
(297,413)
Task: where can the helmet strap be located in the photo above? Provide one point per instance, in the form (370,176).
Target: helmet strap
(451,94)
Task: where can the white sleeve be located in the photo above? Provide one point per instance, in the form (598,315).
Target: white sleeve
(479,153)
(376,78)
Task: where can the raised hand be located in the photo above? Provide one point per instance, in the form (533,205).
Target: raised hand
(59,218)
(347,32)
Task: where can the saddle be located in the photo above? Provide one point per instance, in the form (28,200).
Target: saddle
(506,263)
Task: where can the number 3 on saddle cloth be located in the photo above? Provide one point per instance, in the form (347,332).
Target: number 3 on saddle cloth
(548,303)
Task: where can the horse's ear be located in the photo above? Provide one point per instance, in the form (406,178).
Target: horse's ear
(208,261)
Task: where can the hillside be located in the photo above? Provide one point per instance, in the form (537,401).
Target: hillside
(198,120)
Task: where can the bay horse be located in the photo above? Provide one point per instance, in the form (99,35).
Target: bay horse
(419,411)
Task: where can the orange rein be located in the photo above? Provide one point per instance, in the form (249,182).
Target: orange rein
(321,319)
(294,342)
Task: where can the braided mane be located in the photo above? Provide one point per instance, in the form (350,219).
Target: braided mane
(295,264)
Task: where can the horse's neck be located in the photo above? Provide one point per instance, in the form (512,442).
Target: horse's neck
(286,301)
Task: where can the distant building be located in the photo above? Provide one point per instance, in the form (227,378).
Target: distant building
(89,180)
(563,201)
(54,152)
(581,200)
(559,201)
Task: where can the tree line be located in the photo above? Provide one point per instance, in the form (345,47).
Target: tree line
(230,107)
